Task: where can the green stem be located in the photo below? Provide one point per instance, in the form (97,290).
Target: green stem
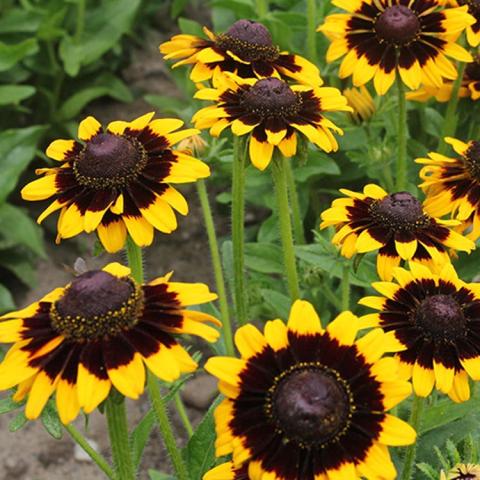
(238,228)
(330,296)
(415,418)
(80,25)
(312,30)
(298,230)
(217,266)
(166,428)
(262,8)
(91,452)
(182,412)
(346,287)
(281,190)
(135,261)
(118,432)
(402,137)
(450,123)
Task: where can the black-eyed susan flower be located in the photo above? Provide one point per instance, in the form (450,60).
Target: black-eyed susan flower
(462,471)
(384,38)
(272,113)
(473,31)
(361,102)
(310,403)
(396,225)
(469,88)
(228,471)
(452,185)
(118,180)
(436,318)
(245,49)
(102,329)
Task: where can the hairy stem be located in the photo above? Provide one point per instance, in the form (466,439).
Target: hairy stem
(311,30)
(415,419)
(298,230)
(402,137)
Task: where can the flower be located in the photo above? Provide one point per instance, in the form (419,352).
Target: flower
(310,403)
(227,471)
(118,180)
(462,471)
(99,331)
(470,86)
(382,38)
(272,111)
(361,102)
(473,31)
(436,318)
(452,185)
(394,224)
(245,49)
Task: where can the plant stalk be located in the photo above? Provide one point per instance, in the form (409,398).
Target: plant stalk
(238,229)
(281,191)
(311,30)
(166,428)
(182,412)
(80,25)
(119,438)
(298,230)
(90,451)
(450,123)
(415,419)
(402,137)
(217,266)
(346,287)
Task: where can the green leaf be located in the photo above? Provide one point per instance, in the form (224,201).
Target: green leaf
(18,263)
(18,422)
(156,475)
(140,436)
(13,94)
(199,454)
(108,85)
(8,405)
(177,7)
(17,149)
(20,229)
(10,55)
(19,20)
(264,257)
(6,300)
(318,163)
(105,25)
(278,302)
(191,27)
(51,421)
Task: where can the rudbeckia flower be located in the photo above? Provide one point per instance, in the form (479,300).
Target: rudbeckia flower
(396,225)
(245,49)
(102,329)
(462,471)
(361,102)
(473,31)
(118,180)
(308,402)
(452,185)
(470,86)
(435,317)
(384,37)
(273,113)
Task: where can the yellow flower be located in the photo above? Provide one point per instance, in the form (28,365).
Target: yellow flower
(118,180)
(362,103)
(462,471)
(102,329)
(300,394)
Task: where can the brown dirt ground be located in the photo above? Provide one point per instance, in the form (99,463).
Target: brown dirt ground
(31,454)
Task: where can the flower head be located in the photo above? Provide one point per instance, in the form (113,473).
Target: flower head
(452,185)
(245,49)
(473,31)
(436,318)
(361,102)
(462,471)
(384,37)
(118,180)
(100,330)
(273,112)
(470,87)
(307,402)
(396,225)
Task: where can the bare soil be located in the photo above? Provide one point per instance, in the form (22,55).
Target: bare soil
(31,454)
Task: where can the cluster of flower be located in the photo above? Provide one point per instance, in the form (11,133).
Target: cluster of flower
(303,401)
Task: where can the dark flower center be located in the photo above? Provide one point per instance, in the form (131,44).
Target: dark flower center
(472,70)
(397,24)
(440,316)
(109,161)
(472,159)
(310,406)
(399,211)
(248,40)
(95,305)
(271,97)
